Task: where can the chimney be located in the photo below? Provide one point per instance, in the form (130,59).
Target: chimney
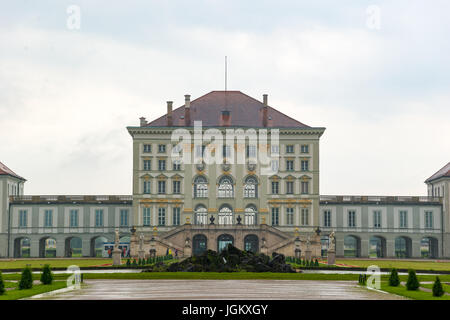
(169,113)
(187,110)
(225,118)
(265,110)
(143,121)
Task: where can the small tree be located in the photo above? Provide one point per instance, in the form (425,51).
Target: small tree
(26,281)
(46,276)
(2,285)
(412,283)
(437,288)
(316,263)
(394,280)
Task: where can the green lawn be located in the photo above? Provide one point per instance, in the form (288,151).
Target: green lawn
(54,263)
(416,295)
(37,289)
(446,287)
(399,264)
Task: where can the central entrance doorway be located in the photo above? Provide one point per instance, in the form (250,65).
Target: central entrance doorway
(223,241)
(200,244)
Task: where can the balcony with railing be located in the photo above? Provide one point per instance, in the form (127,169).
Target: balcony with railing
(75,199)
(332,199)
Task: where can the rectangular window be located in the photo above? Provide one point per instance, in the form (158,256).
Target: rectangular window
(161,165)
(177,165)
(377,219)
(161,216)
(305,187)
(274,165)
(251,151)
(327,218)
(289,187)
(274,149)
(124,218)
(99,218)
(161,148)
(23,218)
(305,217)
(147,187)
(403,215)
(289,148)
(290,216)
(176,187)
(428,220)
(289,165)
(176,216)
(305,165)
(275,187)
(147,165)
(275,216)
(304,148)
(161,187)
(73,218)
(48,218)
(146,217)
(147,148)
(352,219)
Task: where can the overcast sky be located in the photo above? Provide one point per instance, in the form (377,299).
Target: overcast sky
(377,78)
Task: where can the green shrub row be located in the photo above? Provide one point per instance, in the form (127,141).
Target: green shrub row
(303,262)
(148,261)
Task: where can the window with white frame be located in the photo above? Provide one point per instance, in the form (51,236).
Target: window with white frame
(250,215)
(146,217)
(251,187)
(161,216)
(147,186)
(289,165)
(226,215)
(305,187)
(403,216)
(176,216)
(48,218)
(161,165)
(275,149)
(327,218)
(147,148)
(201,215)
(161,187)
(304,217)
(147,165)
(304,148)
(304,165)
(123,217)
(225,187)
(351,218)
(200,187)
(99,218)
(176,187)
(176,165)
(161,148)
(428,220)
(275,216)
(377,219)
(73,218)
(275,165)
(290,216)
(23,217)
(289,148)
(289,187)
(275,187)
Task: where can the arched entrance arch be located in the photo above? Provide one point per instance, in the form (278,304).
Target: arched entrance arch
(403,247)
(377,247)
(429,247)
(199,244)
(97,246)
(223,241)
(251,243)
(47,247)
(73,247)
(352,246)
(22,247)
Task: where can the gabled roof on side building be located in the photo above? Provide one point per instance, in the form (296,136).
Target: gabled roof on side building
(443,172)
(4,170)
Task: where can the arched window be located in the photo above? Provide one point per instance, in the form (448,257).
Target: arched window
(250,215)
(251,188)
(225,187)
(201,214)
(200,187)
(225,215)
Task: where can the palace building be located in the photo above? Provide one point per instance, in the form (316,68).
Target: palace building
(225,168)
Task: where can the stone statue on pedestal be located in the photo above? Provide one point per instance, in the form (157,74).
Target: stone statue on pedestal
(116,252)
(332,245)
(141,252)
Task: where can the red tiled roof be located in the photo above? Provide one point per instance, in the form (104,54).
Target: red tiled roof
(245,111)
(444,172)
(4,170)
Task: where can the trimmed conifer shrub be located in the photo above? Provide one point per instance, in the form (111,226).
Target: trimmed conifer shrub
(412,283)
(2,285)
(128,262)
(26,281)
(46,276)
(438,291)
(394,280)
(316,263)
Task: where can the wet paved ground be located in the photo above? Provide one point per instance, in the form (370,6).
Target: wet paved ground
(220,289)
